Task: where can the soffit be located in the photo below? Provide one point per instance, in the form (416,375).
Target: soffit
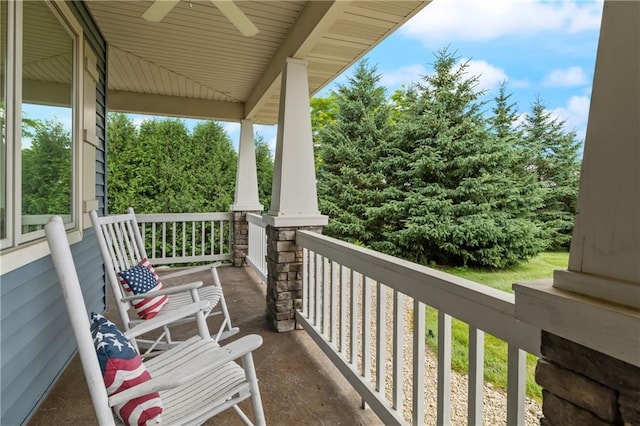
(194,63)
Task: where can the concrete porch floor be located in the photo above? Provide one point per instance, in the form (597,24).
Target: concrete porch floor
(298,383)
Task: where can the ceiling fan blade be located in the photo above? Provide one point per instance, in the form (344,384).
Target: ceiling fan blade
(236,17)
(159,9)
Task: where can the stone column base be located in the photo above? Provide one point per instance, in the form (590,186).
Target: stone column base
(240,237)
(585,387)
(284,280)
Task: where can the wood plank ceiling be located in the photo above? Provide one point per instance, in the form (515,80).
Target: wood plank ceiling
(195,63)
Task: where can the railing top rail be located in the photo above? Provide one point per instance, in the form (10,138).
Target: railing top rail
(182,217)
(386,266)
(256,219)
(487,308)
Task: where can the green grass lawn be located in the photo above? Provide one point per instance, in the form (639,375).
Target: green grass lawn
(495,355)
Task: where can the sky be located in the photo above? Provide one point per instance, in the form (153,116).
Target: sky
(541,48)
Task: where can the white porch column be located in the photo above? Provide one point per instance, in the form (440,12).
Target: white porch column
(294,203)
(294,199)
(246,196)
(590,313)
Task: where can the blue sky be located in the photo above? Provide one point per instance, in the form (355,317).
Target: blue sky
(542,48)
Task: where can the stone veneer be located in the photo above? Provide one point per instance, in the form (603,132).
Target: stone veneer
(585,387)
(284,280)
(240,236)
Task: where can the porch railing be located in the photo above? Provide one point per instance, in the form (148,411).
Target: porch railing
(257,255)
(178,238)
(359,304)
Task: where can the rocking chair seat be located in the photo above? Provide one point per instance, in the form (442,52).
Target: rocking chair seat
(210,394)
(210,293)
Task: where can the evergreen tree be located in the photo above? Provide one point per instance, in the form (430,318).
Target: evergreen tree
(264,168)
(453,197)
(160,168)
(212,162)
(46,170)
(349,182)
(160,180)
(504,127)
(503,122)
(123,165)
(553,155)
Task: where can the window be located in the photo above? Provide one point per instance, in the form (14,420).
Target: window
(3,119)
(40,117)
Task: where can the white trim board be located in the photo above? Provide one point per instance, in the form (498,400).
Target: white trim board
(600,325)
(616,291)
(25,254)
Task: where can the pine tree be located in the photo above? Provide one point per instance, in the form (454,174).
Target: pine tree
(553,155)
(264,169)
(504,126)
(349,182)
(453,197)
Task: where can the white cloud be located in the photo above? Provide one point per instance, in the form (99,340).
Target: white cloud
(489,75)
(521,119)
(473,20)
(575,113)
(404,75)
(568,77)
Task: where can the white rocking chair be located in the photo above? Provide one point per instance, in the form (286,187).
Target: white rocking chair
(122,248)
(196,379)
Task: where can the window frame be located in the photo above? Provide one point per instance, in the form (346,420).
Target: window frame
(12,254)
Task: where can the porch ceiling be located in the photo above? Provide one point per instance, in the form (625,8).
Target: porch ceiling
(195,63)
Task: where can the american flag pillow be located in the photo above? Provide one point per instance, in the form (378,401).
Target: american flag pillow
(142,279)
(122,369)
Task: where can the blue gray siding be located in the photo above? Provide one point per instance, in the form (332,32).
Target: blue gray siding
(36,340)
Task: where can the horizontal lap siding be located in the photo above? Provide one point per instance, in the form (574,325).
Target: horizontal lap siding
(36,340)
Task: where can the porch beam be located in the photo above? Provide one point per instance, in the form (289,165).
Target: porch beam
(144,103)
(314,21)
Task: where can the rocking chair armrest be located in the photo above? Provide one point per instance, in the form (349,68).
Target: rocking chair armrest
(167,290)
(166,319)
(185,374)
(188,271)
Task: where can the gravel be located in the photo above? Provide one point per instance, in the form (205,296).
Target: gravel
(494,399)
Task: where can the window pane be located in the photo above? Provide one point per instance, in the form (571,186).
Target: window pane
(3,119)
(47,117)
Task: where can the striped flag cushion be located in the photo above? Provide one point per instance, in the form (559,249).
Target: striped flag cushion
(122,369)
(142,279)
